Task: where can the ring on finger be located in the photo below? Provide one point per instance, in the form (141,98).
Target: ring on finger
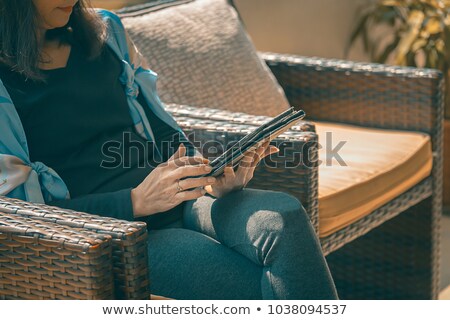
(179,188)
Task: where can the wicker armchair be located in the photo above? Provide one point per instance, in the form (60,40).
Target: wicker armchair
(393,253)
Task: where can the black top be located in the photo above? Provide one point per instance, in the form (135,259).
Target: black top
(79,124)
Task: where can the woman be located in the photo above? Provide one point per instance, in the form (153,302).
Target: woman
(76,93)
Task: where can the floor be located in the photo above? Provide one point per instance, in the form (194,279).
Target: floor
(445,256)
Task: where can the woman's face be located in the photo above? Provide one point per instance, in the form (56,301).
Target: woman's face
(54,13)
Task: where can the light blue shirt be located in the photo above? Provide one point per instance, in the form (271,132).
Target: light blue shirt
(34,181)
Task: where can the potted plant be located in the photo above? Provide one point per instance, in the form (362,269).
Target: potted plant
(415,33)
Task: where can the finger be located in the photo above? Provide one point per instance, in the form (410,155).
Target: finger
(247,168)
(179,153)
(244,175)
(190,171)
(190,195)
(244,171)
(196,182)
(247,159)
(258,154)
(186,160)
(228,171)
(255,152)
(270,151)
(265,144)
(264,153)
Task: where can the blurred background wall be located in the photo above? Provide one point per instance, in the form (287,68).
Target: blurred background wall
(305,27)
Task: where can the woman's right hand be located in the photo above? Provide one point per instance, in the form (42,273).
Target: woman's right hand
(159,190)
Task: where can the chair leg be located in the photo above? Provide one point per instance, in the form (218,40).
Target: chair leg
(398,260)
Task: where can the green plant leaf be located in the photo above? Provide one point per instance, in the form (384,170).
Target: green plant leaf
(440,46)
(433,26)
(402,13)
(415,21)
(441,61)
(388,50)
(432,58)
(360,30)
(384,15)
(392,3)
(418,44)
(436,4)
(416,25)
(373,50)
(410,60)
(446,39)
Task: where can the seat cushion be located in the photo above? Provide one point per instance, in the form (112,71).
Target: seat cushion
(203,56)
(379,165)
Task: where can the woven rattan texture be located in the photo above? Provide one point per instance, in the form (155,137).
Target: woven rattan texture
(364,94)
(394,261)
(392,209)
(129,242)
(44,260)
(230,118)
(380,96)
(203,56)
(293,170)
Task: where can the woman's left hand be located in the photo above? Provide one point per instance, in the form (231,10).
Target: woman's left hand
(235,180)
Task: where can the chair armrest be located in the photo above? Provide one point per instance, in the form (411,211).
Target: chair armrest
(225,116)
(366,94)
(129,241)
(293,170)
(369,95)
(44,260)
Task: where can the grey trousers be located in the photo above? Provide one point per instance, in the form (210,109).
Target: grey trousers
(250,244)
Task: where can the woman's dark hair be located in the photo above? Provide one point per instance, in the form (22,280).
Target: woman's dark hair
(19,43)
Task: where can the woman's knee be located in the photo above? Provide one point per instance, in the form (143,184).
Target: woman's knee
(278,210)
(263,198)
(289,203)
(259,223)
